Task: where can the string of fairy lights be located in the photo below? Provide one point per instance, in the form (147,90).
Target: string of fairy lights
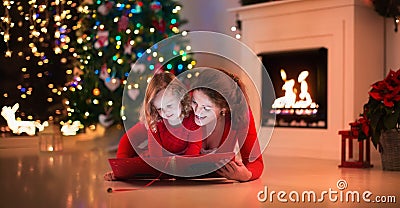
(34,33)
(38,17)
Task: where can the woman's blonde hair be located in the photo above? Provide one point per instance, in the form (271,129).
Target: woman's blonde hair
(161,81)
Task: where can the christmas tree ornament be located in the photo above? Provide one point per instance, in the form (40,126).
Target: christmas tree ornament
(159,25)
(156,6)
(96,91)
(104,9)
(102,39)
(133,93)
(128,48)
(112,84)
(103,72)
(138,68)
(105,119)
(123,23)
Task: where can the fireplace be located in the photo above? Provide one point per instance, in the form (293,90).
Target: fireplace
(299,78)
(353,36)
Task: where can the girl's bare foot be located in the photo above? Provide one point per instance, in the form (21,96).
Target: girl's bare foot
(109,176)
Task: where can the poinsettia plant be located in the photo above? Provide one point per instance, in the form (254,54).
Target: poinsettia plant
(382,110)
(360,127)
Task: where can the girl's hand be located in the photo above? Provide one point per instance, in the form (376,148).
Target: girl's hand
(235,170)
(109,176)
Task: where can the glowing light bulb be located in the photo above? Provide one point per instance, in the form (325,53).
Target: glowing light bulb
(8,53)
(96,91)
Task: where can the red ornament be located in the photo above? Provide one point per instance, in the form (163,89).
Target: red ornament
(96,92)
(104,9)
(155,6)
(102,39)
(159,25)
(123,23)
(103,73)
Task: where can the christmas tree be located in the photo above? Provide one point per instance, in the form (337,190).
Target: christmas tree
(110,37)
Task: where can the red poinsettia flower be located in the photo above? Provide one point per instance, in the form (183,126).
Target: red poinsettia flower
(360,127)
(387,90)
(381,111)
(393,78)
(364,125)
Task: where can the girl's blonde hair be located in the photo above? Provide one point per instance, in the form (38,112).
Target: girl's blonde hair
(164,80)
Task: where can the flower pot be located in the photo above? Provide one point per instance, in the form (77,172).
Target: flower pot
(390,150)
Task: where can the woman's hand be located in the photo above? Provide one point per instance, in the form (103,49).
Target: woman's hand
(145,153)
(235,170)
(109,176)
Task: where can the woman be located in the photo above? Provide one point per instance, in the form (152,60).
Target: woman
(221,108)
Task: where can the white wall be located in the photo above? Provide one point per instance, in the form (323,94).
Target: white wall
(392,46)
(213,16)
(209,15)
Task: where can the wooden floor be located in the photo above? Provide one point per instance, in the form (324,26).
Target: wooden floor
(74,178)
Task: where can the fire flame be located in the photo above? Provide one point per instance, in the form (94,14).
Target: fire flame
(289,100)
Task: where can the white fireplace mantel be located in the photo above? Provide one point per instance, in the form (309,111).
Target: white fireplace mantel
(352,32)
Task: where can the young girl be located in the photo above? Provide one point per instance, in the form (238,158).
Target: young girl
(167,120)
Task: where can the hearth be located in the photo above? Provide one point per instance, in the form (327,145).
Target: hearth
(299,78)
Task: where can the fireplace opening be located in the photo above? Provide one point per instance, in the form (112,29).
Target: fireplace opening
(299,78)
